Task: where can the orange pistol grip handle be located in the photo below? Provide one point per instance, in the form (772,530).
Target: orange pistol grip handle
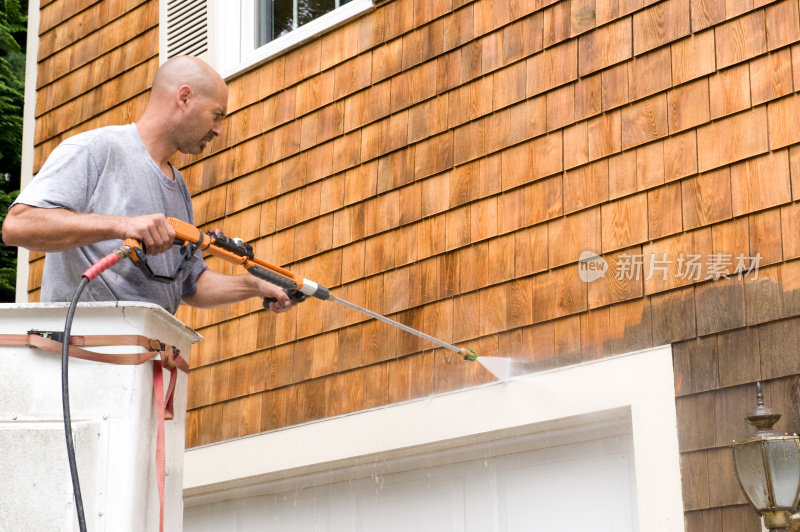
(188,232)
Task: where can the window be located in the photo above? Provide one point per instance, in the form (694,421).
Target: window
(275,18)
(234,35)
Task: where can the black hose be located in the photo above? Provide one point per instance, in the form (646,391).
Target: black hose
(73,467)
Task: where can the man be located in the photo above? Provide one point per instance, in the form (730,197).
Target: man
(100,187)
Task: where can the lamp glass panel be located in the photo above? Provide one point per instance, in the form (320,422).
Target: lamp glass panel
(784,468)
(750,468)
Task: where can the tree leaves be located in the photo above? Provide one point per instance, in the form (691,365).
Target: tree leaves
(13,27)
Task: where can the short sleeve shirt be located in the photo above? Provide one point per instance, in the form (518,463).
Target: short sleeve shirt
(109,171)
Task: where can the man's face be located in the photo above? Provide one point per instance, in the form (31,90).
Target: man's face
(203,120)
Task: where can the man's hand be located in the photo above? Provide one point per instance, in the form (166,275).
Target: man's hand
(152,230)
(215,289)
(269,290)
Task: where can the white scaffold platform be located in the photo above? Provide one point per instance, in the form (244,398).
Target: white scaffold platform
(114,423)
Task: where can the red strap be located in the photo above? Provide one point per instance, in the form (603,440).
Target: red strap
(158,395)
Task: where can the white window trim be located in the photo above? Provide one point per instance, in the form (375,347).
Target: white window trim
(231,42)
(639,384)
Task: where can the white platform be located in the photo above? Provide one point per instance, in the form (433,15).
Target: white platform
(113,424)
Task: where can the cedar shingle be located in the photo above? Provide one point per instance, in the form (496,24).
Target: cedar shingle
(732,139)
(594,333)
(491,52)
(458,27)
(588,96)
(605,135)
(619,283)
(552,67)
(556,24)
(673,316)
(509,85)
(660,24)
(693,57)
(695,481)
(783,24)
(760,183)
(576,145)
(531,250)
(664,210)
(606,11)
(706,13)
(765,235)
(624,222)
(770,76)
(688,105)
(729,91)
(387,60)
(706,198)
(730,240)
(371,30)
(469,141)
(695,415)
(570,236)
(622,174)
(560,107)
(680,155)
(763,298)
(615,86)
(695,363)
(710,297)
(650,73)
(501,255)
(604,46)
(790,230)
(650,166)
(783,115)
(483,219)
(644,121)
(582,16)
(739,518)
(740,39)
(567,333)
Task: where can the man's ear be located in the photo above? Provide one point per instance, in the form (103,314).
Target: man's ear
(183,96)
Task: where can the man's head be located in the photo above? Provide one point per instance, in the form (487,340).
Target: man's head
(191,99)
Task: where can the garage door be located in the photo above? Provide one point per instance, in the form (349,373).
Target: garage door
(576,486)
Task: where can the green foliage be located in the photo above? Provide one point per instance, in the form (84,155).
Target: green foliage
(8,255)
(12,92)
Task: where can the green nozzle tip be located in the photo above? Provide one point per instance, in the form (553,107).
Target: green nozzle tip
(469,354)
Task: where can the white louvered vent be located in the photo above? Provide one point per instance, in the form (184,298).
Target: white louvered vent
(187,27)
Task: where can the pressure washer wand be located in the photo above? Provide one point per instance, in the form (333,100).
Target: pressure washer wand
(468,354)
(238,252)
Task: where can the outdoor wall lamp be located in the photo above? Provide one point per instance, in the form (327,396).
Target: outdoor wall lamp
(768,468)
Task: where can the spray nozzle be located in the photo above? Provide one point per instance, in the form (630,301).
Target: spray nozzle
(468,354)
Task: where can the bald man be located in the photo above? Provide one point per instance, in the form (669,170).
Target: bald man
(100,187)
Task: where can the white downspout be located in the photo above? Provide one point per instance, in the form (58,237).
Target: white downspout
(28,129)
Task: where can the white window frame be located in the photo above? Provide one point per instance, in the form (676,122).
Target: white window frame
(231,33)
(639,384)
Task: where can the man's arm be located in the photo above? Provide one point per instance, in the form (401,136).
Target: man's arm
(41,229)
(215,289)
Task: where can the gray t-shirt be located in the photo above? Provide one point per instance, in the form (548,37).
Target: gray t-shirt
(109,171)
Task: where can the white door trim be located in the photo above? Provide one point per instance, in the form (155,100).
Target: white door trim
(639,384)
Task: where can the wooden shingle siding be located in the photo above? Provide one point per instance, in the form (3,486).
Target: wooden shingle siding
(446,162)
